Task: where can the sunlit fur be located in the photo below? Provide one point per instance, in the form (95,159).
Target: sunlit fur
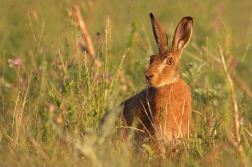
(162,111)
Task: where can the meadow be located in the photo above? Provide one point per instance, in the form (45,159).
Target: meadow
(53,93)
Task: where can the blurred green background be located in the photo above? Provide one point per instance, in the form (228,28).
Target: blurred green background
(130,27)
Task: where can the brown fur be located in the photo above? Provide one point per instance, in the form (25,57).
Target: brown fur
(163,110)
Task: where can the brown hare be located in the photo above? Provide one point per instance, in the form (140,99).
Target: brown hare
(162,111)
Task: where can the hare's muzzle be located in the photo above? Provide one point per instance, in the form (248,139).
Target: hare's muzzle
(148,76)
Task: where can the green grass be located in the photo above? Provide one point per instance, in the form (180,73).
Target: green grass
(51,105)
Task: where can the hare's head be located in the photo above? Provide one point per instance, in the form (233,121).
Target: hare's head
(164,66)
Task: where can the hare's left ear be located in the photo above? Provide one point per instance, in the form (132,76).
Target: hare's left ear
(182,34)
(159,34)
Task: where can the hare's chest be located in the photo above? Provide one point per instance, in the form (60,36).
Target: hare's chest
(167,105)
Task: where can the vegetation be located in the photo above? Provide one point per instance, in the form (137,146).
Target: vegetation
(53,94)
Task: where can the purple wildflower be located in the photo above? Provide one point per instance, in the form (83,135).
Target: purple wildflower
(15,62)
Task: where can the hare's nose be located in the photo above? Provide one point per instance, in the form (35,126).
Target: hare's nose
(148,76)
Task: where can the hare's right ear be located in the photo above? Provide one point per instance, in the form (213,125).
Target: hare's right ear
(159,34)
(182,34)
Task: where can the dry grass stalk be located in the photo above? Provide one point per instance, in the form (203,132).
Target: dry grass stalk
(88,41)
(238,145)
(20,110)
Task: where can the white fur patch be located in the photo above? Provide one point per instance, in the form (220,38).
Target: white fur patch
(163,83)
(162,66)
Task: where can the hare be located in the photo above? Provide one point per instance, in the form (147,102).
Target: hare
(162,111)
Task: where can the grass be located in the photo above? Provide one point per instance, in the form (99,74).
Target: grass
(52,102)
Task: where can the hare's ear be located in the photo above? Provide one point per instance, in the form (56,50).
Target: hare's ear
(182,34)
(159,34)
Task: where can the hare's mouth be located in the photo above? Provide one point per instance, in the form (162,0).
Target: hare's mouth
(149,81)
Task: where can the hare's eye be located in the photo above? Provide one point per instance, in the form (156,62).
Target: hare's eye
(169,61)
